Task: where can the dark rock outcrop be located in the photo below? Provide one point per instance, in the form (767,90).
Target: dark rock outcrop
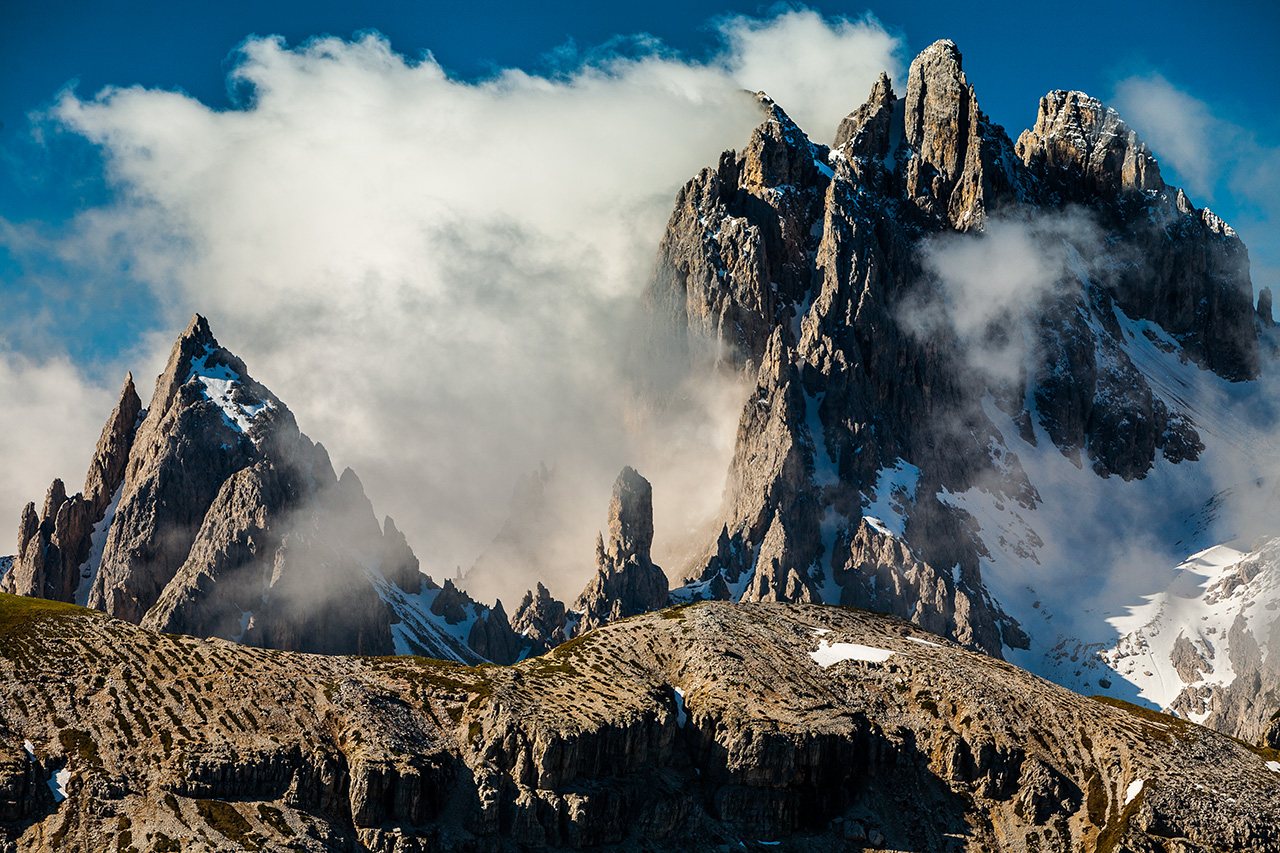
(540,619)
(1265,315)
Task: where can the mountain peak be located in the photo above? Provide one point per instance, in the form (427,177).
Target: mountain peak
(1078,133)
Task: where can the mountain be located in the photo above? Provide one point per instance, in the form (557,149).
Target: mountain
(994,382)
(1012,399)
(210,514)
(759,726)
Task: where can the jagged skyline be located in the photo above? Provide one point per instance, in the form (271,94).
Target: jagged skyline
(90,297)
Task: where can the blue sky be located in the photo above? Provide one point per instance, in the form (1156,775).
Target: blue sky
(352,214)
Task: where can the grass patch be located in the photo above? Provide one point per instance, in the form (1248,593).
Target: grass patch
(1114,832)
(1161,727)
(19,614)
(223,818)
(164,844)
(274,818)
(82,746)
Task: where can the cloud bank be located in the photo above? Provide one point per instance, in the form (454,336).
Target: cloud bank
(436,274)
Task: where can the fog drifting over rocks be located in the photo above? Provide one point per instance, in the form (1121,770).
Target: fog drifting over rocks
(437,276)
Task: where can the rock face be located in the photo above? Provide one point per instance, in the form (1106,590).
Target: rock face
(1193,278)
(818,268)
(540,618)
(798,728)
(626,582)
(217,517)
(956,170)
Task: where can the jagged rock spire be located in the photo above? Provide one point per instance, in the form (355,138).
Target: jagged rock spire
(626,581)
(52,551)
(1077,134)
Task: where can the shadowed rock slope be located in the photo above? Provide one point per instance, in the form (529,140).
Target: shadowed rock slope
(757,726)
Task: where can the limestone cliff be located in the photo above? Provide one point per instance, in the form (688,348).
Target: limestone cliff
(872,402)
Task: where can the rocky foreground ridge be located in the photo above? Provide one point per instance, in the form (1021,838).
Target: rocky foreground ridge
(710,726)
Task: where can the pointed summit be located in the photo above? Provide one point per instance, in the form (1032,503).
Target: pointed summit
(626,582)
(1077,138)
(959,171)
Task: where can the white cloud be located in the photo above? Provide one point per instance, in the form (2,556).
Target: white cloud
(49,406)
(1176,126)
(989,283)
(819,70)
(437,275)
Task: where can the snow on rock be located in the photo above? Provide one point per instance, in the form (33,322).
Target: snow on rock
(1106,575)
(97,542)
(682,715)
(246,619)
(58,784)
(1184,629)
(924,642)
(886,509)
(1134,789)
(419,631)
(222,385)
(831,654)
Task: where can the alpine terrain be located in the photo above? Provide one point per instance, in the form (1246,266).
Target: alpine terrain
(996,567)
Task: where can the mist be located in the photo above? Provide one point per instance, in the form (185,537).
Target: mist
(1101,544)
(436,275)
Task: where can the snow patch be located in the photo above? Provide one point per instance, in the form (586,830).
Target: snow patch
(58,784)
(830,655)
(924,642)
(1134,789)
(877,525)
(894,494)
(246,619)
(682,716)
(97,542)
